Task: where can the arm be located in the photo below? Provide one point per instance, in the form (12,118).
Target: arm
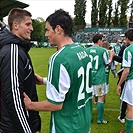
(41,106)
(108,57)
(123,77)
(117,58)
(111,54)
(40,80)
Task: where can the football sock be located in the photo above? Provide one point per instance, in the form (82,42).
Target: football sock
(100,110)
(129,123)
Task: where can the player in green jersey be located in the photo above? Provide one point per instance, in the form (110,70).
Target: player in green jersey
(69,92)
(127,76)
(99,58)
(116,49)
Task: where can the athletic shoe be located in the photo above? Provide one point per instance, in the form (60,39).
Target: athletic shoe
(102,121)
(121,120)
(121,131)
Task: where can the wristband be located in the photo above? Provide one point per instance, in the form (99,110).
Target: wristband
(45,80)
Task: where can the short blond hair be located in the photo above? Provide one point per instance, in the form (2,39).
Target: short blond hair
(106,45)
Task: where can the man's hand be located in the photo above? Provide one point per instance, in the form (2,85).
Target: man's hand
(39,79)
(118,90)
(27,101)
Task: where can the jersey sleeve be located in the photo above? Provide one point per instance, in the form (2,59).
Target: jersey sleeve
(127,58)
(106,57)
(58,82)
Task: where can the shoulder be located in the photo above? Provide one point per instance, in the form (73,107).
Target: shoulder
(12,49)
(56,57)
(130,47)
(8,52)
(102,49)
(5,50)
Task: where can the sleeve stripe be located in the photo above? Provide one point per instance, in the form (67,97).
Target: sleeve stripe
(15,89)
(52,63)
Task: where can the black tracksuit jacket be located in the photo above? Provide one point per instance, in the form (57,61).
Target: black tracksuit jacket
(16,77)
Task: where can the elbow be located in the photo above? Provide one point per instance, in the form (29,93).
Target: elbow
(126,71)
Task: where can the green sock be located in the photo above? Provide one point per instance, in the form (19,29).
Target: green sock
(129,123)
(100,110)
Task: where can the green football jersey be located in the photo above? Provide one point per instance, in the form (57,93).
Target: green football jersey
(128,60)
(100,58)
(69,82)
(117,48)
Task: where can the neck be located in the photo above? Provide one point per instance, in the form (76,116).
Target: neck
(64,41)
(96,44)
(131,42)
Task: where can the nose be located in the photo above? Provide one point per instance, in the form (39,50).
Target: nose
(46,34)
(31,28)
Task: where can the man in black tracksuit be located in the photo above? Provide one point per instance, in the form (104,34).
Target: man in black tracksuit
(17,76)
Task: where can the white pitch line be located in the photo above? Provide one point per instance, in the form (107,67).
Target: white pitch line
(109,109)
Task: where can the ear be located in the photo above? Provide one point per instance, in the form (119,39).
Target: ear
(99,41)
(15,25)
(58,29)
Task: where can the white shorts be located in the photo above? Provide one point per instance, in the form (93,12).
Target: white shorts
(127,93)
(106,88)
(99,90)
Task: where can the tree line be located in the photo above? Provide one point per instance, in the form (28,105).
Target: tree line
(102,15)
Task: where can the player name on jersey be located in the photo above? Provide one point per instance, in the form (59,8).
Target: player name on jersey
(81,55)
(92,51)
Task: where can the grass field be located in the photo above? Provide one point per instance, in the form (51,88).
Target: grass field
(40,57)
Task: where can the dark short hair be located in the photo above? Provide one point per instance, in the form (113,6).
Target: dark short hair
(17,14)
(97,37)
(129,34)
(62,18)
